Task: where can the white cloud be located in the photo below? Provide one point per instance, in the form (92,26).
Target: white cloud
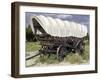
(64,16)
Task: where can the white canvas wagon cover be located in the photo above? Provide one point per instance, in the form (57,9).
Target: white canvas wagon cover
(61,28)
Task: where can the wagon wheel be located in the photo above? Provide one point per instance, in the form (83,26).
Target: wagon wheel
(60,52)
(80,47)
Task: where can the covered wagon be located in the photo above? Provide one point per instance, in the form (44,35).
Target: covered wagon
(58,36)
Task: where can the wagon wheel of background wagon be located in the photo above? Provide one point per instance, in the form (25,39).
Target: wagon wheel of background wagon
(60,52)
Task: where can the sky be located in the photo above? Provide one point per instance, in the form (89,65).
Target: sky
(82,19)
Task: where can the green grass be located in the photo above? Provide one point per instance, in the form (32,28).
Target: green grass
(72,58)
(51,60)
(85,55)
(32,46)
(76,58)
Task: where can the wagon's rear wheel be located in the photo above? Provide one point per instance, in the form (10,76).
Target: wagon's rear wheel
(61,50)
(80,48)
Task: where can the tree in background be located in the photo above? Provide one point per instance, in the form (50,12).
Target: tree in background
(29,34)
(87,37)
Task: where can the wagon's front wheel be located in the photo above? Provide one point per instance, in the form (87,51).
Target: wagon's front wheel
(60,53)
